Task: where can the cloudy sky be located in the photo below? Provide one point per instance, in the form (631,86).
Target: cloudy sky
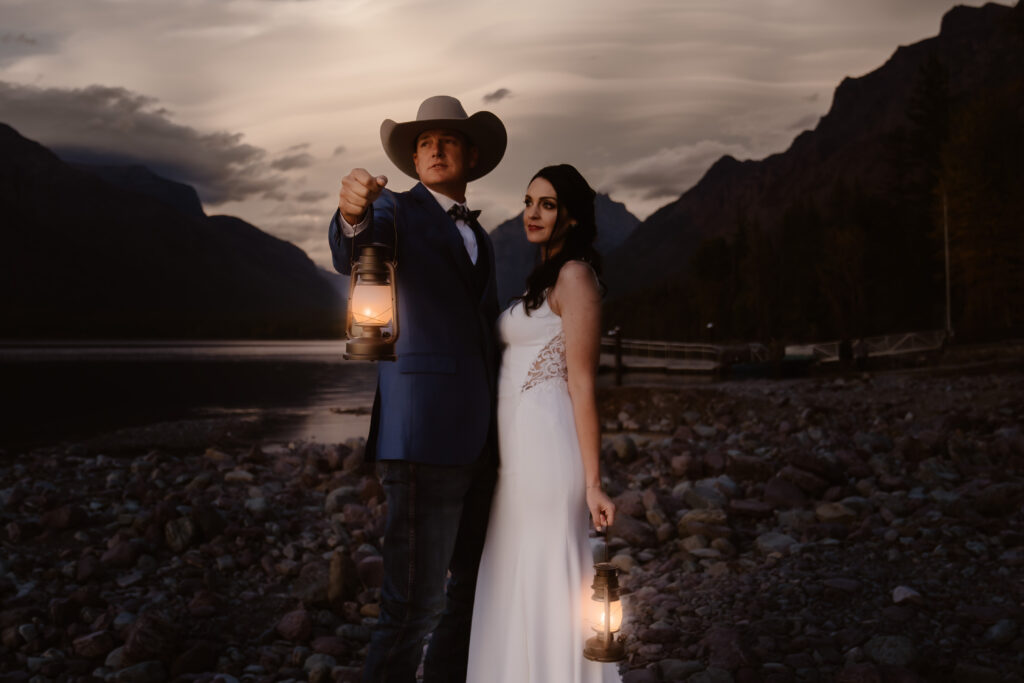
(263,105)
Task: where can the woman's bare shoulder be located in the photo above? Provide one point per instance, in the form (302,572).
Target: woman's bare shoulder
(577,286)
(579,273)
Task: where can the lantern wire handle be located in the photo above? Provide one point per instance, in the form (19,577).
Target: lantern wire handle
(394,226)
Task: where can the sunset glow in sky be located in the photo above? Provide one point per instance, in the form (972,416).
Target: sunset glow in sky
(263,105)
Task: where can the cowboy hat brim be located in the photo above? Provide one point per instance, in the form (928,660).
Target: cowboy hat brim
(484,130)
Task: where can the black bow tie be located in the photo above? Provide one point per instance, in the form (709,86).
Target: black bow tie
(460,212)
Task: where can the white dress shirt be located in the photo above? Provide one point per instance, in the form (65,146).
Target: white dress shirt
(468,236)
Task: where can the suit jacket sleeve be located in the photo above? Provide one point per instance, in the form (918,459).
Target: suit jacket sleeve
(380,229)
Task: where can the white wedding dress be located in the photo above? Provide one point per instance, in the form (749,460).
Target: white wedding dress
(537,566)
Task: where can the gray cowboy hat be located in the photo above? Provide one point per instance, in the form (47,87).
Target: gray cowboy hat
(484,129)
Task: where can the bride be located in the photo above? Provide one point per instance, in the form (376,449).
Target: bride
(536,569)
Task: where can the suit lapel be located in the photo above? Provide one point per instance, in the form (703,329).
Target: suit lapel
(437,219)
(485,250)
(449,234)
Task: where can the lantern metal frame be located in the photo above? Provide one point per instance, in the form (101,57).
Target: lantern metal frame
(373,266)
(603,647)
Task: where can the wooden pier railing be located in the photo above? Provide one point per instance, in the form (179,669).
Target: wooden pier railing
(884,345)
(622,355)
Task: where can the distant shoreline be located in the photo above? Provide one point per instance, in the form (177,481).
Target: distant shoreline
(12,350)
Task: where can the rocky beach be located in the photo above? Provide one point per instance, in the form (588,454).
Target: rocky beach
(854,528)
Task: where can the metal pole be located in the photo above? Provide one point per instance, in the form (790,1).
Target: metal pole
(945,234)
(617,333)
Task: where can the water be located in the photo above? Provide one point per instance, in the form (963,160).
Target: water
(57,391)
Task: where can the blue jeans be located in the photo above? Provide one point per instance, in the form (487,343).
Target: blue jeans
(437,520)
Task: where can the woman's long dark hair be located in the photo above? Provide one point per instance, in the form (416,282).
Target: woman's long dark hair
(577,198)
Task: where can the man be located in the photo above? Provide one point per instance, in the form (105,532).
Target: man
(433,428)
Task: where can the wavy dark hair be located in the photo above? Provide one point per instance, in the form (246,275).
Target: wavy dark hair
(576,197)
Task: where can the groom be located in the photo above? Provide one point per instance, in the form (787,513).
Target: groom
(433,427)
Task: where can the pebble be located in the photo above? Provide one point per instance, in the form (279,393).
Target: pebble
(239,477)
(115,658)
(144,672)
(711,675)
(318,661)
(902,594)
(623,562)
(28,632)
(1002,632)
(835,513)
(295,626)
(705,431)
(890,650)
(179,534)
(774,542)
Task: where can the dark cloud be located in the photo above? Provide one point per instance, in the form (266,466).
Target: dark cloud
(661,193)
(311,196)
(814,97)
(670,170)
(497,95)
(647,182)
(292,161)
(275,195)
(108,125)
(15,45)
(340,149)
(19,38)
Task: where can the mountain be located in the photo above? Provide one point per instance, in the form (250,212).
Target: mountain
(338,282)
(515,257)
(140,179)
(841,234)
(84,257)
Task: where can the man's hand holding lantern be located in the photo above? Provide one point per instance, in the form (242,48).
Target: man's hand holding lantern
(358,191)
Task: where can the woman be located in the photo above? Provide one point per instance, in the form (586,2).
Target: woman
(536,569)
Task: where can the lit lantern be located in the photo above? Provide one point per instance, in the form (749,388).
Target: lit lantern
(372,306)
(605,612)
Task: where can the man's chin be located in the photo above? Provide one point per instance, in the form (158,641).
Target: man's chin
(442,179)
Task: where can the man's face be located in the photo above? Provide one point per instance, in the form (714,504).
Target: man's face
(443,157)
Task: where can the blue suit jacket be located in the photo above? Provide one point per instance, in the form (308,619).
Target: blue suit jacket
(436,403)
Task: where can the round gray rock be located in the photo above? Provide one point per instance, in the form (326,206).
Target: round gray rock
(774,542)
(890,650)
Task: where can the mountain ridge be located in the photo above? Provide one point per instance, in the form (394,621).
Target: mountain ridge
(857,154)
(87,258)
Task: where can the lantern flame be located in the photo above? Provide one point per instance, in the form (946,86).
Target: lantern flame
(371,304)
(597,615)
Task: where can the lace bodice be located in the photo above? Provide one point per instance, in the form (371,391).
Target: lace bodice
(549,363)
(534,348)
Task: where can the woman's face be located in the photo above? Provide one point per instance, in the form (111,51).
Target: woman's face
(542,216)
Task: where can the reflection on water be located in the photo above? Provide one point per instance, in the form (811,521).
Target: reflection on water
(56,391)
(66,390)
(319,350)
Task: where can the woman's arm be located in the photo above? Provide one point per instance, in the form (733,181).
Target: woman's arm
(577,299)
